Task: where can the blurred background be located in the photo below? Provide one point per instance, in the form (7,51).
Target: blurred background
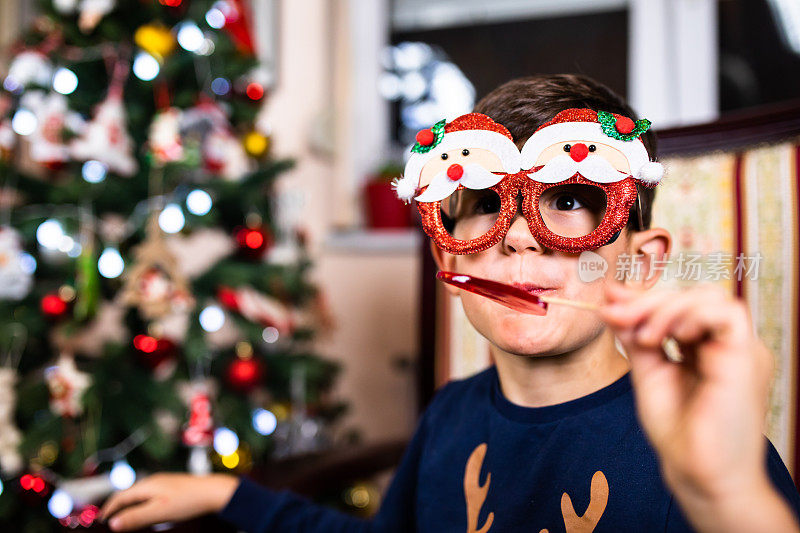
(203,265)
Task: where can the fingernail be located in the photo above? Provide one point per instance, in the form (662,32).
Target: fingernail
(114,524)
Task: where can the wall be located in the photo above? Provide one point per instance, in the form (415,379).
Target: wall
(373,296)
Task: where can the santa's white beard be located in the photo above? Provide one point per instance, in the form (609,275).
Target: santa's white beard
(475,177)
(563,167)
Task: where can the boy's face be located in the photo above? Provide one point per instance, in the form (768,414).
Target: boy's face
(520,260)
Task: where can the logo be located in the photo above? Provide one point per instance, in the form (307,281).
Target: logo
(591,266)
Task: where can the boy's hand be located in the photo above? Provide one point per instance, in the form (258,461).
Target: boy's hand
(704,416)
(166,498)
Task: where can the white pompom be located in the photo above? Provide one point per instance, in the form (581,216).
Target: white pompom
(405,188)
(651,172)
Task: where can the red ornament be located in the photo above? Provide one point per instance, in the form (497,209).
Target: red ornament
(245,374)
(154,353)
(255,91)
(425,137)
(578,152)
(253,242)
(199,430)
(455,171)
(53,306)
(624,125)
(227,297)
(170,3)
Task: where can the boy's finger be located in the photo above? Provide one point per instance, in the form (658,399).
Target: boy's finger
(660,322)
(122,499)
(136,517)
(636,310)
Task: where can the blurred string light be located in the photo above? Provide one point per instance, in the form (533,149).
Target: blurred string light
(65,81)
(215,17)
(27,262)
(255,91)
(145,66)
(94,171)
(220,86)
(190,37)
(110,263)
(50,233)
(230,461)
(425,84)
(787,14)
(24,122)
(270,335)
(171,219)
(226,441)
(60,504)
(198,202)
(1,487)
(122,475)
(212,318)
(264,422)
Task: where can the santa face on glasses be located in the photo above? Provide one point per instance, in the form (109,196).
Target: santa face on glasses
(576,175)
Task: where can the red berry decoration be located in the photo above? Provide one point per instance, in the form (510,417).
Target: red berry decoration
(253,242)
(425,137)
(455,171)
(578,152)
(624,125)
(245,374)
(53,306)
(255,91)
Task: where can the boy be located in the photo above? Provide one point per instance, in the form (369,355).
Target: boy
(549,439)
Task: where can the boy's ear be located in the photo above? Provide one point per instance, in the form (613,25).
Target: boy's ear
(446,262)
(653,246)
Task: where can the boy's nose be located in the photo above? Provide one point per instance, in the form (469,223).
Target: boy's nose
(519,237)
(578,152)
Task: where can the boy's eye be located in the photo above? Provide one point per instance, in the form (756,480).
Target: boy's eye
(464,152)
(444,156)
(567,147)
(487,204)
(592,148)
(567,202)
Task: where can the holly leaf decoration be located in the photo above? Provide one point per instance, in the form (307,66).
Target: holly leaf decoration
(438,134)
(608,123)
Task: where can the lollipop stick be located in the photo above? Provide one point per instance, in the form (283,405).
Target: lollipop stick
(570,303)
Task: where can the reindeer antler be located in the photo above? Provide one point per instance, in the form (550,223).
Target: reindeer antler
(597,505)
(474,492)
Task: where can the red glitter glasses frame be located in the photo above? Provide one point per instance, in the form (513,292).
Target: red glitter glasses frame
(620,197)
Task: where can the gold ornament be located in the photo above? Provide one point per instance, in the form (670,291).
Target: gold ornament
(256,144)
(155,39)
(156,285)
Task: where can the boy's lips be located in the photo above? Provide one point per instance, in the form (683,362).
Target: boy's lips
(532,288)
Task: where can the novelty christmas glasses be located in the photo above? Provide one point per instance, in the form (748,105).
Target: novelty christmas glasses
(574,180)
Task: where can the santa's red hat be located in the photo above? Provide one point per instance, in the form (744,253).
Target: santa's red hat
(472,130)
(602,127)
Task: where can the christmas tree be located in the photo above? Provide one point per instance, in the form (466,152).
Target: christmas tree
(155,308)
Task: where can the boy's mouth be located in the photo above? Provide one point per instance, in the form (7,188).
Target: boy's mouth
(532,288)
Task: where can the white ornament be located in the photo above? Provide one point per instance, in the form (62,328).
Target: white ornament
(92,12)
(16,278)
(165,139)
(52,118)
(65,7)
(67,385)
(27,68)
(10,437)
(223,152)
(106,138)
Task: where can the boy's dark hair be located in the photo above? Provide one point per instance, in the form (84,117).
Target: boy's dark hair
(524,104)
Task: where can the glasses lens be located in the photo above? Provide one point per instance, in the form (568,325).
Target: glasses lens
(469,214)
(573,210)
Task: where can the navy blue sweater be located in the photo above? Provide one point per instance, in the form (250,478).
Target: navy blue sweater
(478,463)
